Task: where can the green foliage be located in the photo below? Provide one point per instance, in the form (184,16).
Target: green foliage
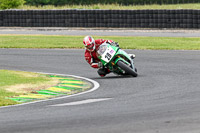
(57,2)
(8,4)
(38,2)
(122,2)
(195,6)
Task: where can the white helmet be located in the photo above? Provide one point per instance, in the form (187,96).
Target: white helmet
(89,43)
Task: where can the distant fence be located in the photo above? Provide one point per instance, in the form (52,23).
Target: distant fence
(101,18)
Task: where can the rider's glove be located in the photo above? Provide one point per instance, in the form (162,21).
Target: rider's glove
(116,44)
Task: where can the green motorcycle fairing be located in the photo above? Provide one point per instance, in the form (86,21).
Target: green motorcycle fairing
(110,55)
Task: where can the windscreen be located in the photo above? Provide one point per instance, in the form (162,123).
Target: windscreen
(102,49)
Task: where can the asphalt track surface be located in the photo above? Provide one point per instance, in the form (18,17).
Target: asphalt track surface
(102,32)
(164,98)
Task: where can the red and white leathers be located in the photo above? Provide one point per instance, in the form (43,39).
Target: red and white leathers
(91,56)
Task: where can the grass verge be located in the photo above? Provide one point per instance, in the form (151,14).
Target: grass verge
(14,83)
(116,6)
(60,41)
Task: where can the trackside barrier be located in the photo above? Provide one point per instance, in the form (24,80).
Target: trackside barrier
(101,18)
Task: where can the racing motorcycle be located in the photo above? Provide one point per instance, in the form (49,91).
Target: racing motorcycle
(116,60)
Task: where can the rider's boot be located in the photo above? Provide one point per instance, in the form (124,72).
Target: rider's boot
(103,71)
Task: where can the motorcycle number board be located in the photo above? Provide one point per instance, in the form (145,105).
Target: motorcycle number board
(108,54)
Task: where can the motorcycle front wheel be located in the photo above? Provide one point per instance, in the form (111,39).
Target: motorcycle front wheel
(127,69)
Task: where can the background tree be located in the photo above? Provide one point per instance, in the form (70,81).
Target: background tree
(8,4)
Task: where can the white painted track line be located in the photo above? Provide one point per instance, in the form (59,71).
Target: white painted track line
(82,102)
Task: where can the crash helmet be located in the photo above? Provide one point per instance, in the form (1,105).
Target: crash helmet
(89,43)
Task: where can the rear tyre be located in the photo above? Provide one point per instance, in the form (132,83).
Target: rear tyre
(127,69)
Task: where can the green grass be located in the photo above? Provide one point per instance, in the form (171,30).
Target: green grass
(14,78)
(117,6)
(39,41)
(8,78)
(49,41)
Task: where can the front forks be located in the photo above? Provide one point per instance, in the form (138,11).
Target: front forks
(132,64)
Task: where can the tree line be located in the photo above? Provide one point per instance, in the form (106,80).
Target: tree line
(8,4)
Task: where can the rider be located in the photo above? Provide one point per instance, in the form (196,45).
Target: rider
(91,47)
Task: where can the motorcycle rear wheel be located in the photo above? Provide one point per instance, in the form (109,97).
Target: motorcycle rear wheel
(127,69)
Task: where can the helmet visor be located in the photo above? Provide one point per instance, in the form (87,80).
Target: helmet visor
(90,46)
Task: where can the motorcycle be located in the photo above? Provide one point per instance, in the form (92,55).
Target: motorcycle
(116,60)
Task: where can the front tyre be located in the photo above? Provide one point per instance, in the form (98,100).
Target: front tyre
(126,68)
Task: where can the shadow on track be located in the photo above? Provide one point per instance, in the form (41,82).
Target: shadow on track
(114,77)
